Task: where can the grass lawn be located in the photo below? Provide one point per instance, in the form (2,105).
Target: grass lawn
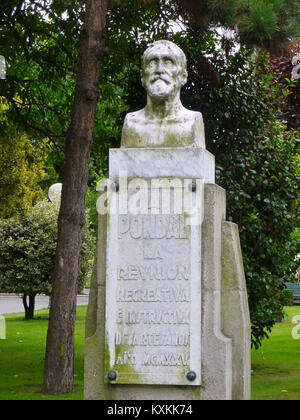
(275,376)
(276,365)
(22,357)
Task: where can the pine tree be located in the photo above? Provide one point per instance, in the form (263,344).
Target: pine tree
(267,23)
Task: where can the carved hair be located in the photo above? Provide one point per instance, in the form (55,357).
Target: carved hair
(180,56)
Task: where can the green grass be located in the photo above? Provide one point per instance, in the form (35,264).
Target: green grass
(22,357)
(275,376)
(276,365)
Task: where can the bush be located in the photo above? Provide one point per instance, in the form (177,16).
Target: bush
(27,253)
(287,297)
(21,171)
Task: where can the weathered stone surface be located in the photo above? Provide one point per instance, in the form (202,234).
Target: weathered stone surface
(164,122)
(221,348)
(95,322)
(152,162)
(153,297)
(185,128)
(235,312)
(216,347)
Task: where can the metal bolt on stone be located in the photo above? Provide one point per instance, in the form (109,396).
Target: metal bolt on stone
(191,376)
(112,375)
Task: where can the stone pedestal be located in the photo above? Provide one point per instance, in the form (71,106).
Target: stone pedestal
(224,328)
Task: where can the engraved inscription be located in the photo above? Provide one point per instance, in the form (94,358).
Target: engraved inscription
(151,226)
(152,339)
(149,294)
(126,359)
(153,272)
(166,359)
(170,316)
(149,325)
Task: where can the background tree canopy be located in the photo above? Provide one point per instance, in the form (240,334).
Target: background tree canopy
(236,91)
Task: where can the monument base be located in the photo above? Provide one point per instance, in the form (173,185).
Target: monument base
(225,321)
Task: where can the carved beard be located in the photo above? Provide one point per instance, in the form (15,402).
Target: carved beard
(162,86)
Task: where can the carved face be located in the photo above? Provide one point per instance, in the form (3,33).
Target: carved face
(163,74)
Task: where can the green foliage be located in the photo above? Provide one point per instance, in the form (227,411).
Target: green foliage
(87,254)
(255,154)
(41,64)
(27,251)
(261,24)
(256,22)
(40,47)
(235,91)
(267,22)
(225,11)
(21,170)
(91,201)
(256,164)
(287,297)
(283,67)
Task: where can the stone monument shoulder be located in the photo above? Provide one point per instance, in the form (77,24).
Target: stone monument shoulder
(185,129)
(195,120)
(130,137)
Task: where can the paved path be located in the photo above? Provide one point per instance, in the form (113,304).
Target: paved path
(13,303)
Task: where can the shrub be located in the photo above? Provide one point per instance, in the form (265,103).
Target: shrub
(27,253)
(287,297)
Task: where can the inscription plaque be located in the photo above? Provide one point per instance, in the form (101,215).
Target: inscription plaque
(153,294)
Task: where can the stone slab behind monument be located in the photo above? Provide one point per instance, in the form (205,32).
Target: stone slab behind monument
(225,321)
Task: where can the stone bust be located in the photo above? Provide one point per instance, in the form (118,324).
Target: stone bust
(164,122)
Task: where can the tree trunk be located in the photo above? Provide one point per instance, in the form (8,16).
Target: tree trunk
(59,359)
(29,307)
